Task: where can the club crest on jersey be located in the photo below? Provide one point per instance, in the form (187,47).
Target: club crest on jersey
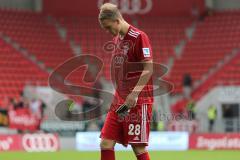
(146,52)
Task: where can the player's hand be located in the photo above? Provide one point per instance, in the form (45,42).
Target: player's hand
(131,100)
(122,111)
(129,103)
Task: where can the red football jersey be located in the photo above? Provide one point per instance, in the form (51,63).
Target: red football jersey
(130,50)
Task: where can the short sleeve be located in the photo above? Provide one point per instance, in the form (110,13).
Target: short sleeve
(143,48)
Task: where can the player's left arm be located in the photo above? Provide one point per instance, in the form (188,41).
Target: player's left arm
(143,80)
(144,55)
(145,76)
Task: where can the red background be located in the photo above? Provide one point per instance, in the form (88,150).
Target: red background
(89,8)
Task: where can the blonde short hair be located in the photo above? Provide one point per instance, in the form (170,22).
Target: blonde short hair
(109,11)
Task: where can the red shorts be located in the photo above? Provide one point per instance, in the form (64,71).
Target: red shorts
(133,129)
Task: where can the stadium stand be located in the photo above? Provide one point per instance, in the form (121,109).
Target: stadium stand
(165,35)
(87,33)
(228,75)
(16,71)
(36,34)
(215,38)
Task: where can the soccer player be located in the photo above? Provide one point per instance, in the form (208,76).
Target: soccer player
(133,90)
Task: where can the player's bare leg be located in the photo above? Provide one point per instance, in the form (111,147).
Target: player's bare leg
(141,152)
(107,149)
(107,144)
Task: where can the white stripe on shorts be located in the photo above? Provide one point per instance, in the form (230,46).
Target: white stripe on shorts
(145,123)
(143,127)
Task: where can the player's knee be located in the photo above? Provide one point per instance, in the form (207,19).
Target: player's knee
(139,149)
(107,144)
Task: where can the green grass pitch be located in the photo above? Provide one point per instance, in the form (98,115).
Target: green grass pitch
(158,155)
